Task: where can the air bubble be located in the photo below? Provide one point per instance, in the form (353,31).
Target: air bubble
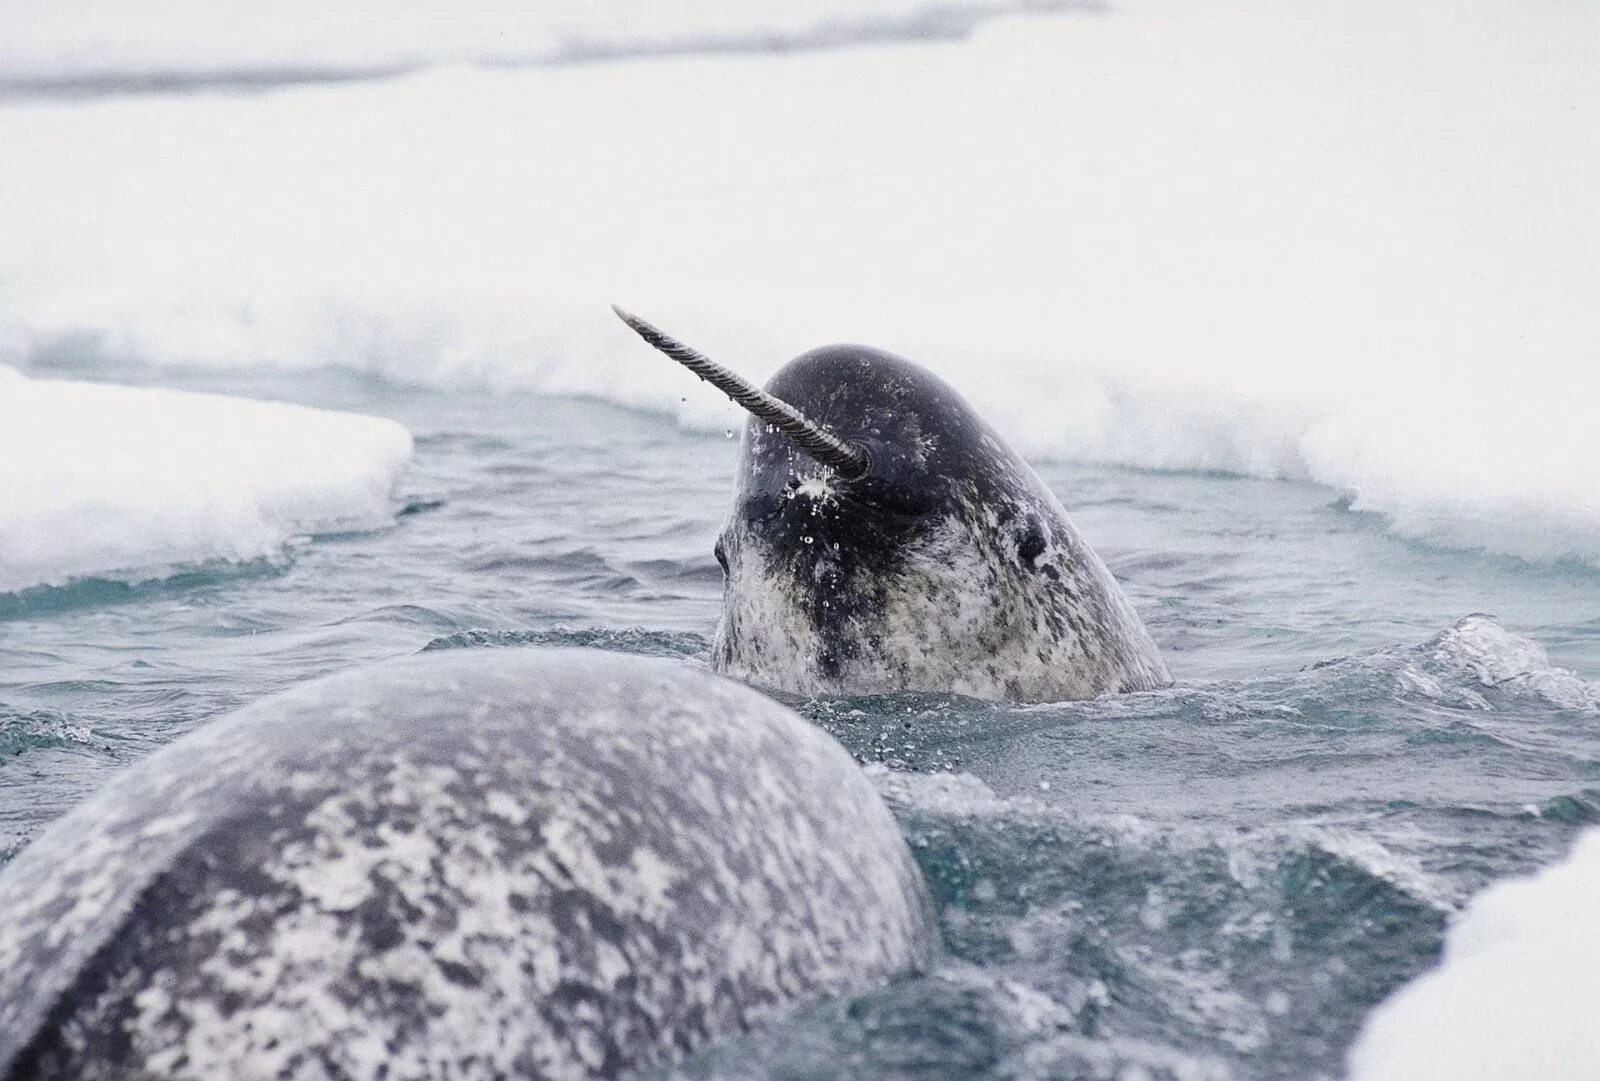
(727,433)
(806,539)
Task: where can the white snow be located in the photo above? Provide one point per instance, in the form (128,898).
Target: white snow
(1348,242)
(1514,997)
(99,479)
(86,39)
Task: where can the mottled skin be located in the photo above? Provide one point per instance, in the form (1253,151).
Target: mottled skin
(506,864)
(948,567)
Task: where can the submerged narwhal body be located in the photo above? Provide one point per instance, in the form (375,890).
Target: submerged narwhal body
(883,537)
(549,865)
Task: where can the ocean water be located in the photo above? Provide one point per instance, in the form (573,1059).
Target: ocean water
(1217,880)
(1301,332)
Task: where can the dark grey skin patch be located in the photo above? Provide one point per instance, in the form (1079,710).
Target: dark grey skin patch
(524,863)
(948,567)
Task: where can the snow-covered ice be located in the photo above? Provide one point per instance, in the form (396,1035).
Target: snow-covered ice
(1514,997)
(85,41)
(1358,247)
(126,481)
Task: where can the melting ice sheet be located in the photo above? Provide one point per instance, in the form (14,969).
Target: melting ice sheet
(99,479)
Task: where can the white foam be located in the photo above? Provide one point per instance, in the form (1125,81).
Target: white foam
(1514,995)
(1351,243)
(1478,650)
(101,479)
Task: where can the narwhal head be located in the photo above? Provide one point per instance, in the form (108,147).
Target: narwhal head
(883,538)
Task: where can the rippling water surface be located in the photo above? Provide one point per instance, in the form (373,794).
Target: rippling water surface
(1217,880)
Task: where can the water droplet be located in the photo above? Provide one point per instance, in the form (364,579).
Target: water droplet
(728,434)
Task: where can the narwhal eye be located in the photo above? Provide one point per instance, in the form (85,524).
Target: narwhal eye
(721,554)
(1031,543)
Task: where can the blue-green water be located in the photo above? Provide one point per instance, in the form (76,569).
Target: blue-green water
(1216,880)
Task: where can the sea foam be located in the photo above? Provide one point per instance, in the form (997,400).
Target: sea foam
(110,480)
(1322,245)
(1514,995)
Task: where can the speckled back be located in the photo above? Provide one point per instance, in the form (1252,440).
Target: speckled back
(524,863)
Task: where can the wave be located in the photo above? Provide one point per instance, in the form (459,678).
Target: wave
(1194,924)
(647,643)
(1338,255)
(98,479)
(132,584)
(21,732)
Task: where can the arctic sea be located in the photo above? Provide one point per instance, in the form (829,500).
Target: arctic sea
(1301,332)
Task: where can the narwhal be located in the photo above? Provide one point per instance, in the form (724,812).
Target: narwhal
(883,537)
(537,864)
